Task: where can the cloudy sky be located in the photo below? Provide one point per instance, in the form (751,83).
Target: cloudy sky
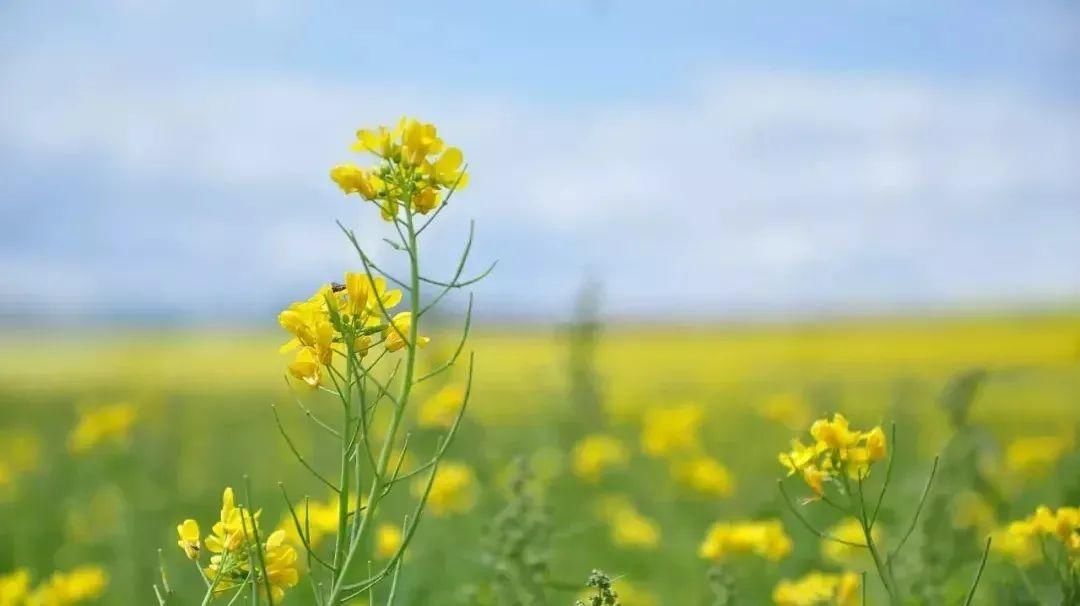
(698,158)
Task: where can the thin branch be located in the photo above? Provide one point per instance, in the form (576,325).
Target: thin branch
(311,415)
(820,534)
(888,475)
(445,202)
(918,511)
(299,456)
(461,345)
(978,573)
(300,530)
(457,273)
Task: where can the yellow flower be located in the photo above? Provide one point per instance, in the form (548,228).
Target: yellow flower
(425,200)
(787,409)
(765,538)
(63,588)
(379,141)
(672,430)
(307,367)
(850,531)
(834,434)
(418,141)
(1018,543)
(318,518)
(1035,456)
(280,560)
(597,453)
(189,538)
(452,491)
(388,539)
(233,527)
(110,423)
(396,335)
(705,475)
(837,449)
(353,180)
(14,587)
(441,409)
(629,527)
(876,444)
(367,296)
(818,588)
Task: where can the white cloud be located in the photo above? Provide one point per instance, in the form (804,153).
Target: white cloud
(780,189)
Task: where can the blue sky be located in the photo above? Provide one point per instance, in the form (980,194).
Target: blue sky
(700,158)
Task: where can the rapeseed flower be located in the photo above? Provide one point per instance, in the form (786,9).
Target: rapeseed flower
(14,587)
(190,539)
(848,530)
(280,560)
(765,538)
(1022,541)
(80,584)
(597,453)
(415,171)
(705,475)
(388,540)
(111,423)
(629,527)
(672,430)
(837,449)
(818,589)
(441,409)
(453,490)
(395,336)
(1036,456)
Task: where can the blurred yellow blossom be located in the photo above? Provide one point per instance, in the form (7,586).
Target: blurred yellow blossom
(110,423)
(452,491)
(1035,456)
(629,527)
(388,538)
(788,409)
(441,409)
(80,584)
(1017,542)
(14,587)
(705,475)
(765,538)
(671,430)
(597,453)
(848,530)
(819,589)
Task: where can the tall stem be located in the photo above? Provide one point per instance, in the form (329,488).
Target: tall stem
(378,481)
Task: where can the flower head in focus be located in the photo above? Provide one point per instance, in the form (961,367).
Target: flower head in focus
(837,449)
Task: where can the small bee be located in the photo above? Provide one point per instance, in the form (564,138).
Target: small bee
(337,287)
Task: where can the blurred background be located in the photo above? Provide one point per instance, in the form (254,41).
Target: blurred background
(770,210)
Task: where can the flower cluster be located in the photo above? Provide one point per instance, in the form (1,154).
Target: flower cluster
(343,319)
(765,538)
(817,589)
(416,169)
(837,450)
(78,585)
(1022,540)
(238,557)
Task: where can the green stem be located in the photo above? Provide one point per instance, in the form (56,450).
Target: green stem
(395,422)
